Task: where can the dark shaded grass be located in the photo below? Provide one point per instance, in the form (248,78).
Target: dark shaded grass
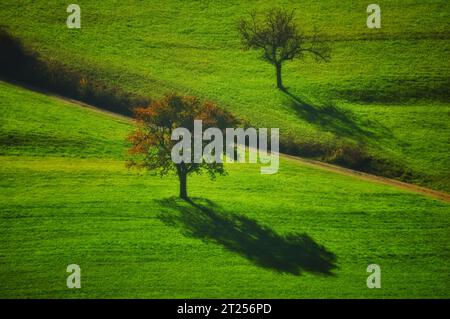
(19,63)
(344,125)
(291,253)
(398,91)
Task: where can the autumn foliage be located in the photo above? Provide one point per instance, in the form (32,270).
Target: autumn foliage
(151,142)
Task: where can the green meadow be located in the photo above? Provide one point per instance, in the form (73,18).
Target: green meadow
(66,197)
(384,91)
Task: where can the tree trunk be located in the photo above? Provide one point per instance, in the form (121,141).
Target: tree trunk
(279,81)
(183,185)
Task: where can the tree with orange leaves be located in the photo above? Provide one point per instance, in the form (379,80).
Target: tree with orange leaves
(152,144)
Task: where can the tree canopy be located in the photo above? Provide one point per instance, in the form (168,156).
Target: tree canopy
(280,39)
(151,142)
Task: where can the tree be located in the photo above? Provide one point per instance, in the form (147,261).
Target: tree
(280,39)
(151,143)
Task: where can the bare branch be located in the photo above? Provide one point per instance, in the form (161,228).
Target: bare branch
(280,39)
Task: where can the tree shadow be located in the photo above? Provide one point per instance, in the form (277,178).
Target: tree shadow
(291,253)
(336,120)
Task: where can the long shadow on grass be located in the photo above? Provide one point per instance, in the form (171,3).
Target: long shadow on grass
(336,120)
(292,253)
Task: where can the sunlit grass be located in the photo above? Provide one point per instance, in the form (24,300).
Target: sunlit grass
(64,202)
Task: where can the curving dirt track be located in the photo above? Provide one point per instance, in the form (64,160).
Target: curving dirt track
(373,178)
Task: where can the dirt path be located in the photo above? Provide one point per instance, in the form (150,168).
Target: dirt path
(373,178)
(312,163)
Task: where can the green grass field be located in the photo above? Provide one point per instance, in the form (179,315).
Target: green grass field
(66,197)
(388,87)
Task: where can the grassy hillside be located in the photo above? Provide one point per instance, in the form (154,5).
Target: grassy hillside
(385,91)
(66,197)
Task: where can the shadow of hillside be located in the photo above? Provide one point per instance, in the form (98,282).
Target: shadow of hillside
(336,120)
(21,64)
(399,91)
(292,253)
